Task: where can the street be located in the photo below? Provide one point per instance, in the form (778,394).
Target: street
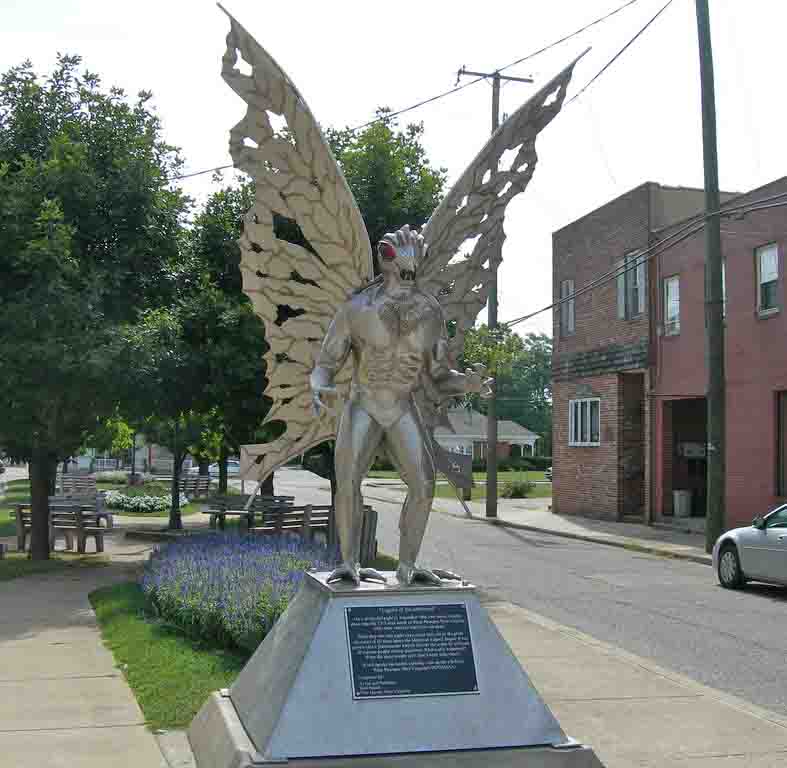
(671,611)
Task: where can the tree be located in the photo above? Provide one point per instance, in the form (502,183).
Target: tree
(224,325)
(165,389)
(523,369)
(113,436)
(89,237)
(389,174)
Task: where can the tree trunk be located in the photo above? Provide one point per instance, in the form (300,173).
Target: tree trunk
(175,521)
(204,466)
(41,475)
(266,489)
(223,470)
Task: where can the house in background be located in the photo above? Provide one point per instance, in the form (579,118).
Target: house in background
(469,436)
(629,423)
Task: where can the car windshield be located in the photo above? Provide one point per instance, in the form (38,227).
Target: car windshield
(777,518)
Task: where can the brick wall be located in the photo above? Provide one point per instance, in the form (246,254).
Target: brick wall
(585,480)
(632,455)
(756,354)
(582,252)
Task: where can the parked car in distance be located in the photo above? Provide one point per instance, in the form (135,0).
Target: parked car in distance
(756,552)
(548,474)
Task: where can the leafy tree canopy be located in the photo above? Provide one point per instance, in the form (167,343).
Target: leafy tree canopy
(89,236)
(389,173)
(523,369)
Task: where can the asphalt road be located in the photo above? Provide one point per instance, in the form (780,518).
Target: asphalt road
(670,611)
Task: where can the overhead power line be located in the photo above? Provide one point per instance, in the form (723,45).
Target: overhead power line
(456,89)
(618,54)
(689,229)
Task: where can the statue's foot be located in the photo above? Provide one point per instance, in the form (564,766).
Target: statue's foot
(345,572)
(410,574)
(370,574)
(446,575)
(355,574)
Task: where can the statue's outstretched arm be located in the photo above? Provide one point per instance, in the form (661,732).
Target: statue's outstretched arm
(333,353)
(449,382)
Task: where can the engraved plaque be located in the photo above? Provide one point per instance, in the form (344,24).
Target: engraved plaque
(410,650)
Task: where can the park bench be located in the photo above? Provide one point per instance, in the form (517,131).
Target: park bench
(308,519)
(286,518)
(192,486)
(76,522)
(222,506)
(79,485)
(95,501)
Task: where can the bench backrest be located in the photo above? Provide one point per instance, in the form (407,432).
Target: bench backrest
(77,484)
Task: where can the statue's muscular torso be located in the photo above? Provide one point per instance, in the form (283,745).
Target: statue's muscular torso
(394,341)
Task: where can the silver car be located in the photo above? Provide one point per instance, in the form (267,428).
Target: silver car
(757,552)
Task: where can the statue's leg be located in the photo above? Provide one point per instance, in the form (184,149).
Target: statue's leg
(408,445)
(358,438)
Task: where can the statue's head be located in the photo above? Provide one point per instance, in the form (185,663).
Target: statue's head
(401,251)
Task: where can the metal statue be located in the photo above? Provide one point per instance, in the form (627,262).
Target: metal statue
(396,335)
(320,301)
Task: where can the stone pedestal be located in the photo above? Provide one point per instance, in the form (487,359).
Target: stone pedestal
(382,676)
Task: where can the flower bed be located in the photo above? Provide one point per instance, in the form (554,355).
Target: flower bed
(228,589)
(152,504)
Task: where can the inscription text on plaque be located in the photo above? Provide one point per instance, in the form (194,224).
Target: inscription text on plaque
(410,650)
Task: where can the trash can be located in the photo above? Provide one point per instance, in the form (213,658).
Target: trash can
(681,503)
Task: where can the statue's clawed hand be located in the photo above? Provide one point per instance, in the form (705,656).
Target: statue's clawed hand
(319,396)
(477,382)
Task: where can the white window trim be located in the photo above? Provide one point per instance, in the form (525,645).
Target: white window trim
(671,328)
(757,254)
(581,443)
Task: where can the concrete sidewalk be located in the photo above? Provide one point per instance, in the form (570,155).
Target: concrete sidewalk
(63,702)
(634,713)
(535,515)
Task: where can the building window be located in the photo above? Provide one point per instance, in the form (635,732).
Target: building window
(767,278)
(567,319)
(781,443)
(672,305)
(584,421)
(631,285)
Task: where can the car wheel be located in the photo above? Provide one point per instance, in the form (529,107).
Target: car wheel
(730,573)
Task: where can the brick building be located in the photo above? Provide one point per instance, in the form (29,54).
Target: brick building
(628,365)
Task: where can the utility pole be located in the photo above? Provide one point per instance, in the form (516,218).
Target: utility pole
(491,413)
(714,319)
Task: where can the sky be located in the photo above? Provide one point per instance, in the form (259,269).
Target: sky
(640,121)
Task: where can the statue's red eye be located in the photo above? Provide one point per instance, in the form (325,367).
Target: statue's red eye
(387,251)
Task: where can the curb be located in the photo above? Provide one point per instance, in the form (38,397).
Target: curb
(630,544)
(154,535)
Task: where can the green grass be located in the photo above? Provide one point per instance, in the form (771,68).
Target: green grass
(171,676)
(384,562)
(16,491)
(477,476)
(446,491)
(17,564)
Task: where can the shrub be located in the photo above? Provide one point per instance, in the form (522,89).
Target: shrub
(382,464)
(115,478)
(540,463)
(517,489)
(151,504)
(227,589)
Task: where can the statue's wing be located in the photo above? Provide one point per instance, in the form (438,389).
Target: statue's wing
(475,207)
(296,276)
